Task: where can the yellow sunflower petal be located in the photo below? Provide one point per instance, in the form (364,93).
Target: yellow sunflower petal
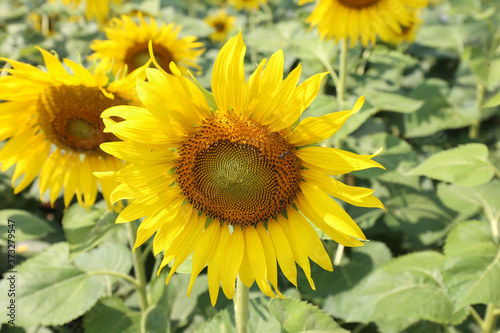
(257,259)
(312,130)
(357,196)
(232,262)
(283,251)
(228,76)
(335,161)
(214,266)
(203,251)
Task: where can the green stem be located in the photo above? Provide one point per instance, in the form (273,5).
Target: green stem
(338,255)
(145,253)
(474,129)
(117,274)
(476,316)
(252,25)
(342,72)
(490,319)
(241,306)
(140,273)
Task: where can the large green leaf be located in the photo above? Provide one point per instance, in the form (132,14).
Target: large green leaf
(465,165)
(155,319)
(472,264)
(419,215)
(27,226)
(51,291)
(107,257)
(336,290)
(468,200)
(86,229)
(297,316)
(393,101)
(410,286)
(111,315)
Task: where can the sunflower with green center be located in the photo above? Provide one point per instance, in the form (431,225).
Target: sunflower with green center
(52,123)
(231,181)
(127,45)
(362,19)
(94,8)
(222,24)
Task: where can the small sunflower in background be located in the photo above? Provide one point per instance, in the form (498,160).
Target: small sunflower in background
(248,5)
(363,20)
(127,45)
(230,180)
(222,23)
(406,33)
(52,123)
(98,9)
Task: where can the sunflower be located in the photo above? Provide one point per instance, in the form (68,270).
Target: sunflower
(407,33)
(234,185)
(53,126)
(246,4)
(362,19)
(94,8)
(127,44)
(222,23)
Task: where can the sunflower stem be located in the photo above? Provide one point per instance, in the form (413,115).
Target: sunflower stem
(140,273)
(474,129)
(241,306)
(490,319)
(338,255)
(342,72)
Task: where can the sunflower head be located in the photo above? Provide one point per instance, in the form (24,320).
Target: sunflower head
(221,23)
(406,32)
(248,5)
(237,186)
(55,118)
(127,44)
(363,20)
(98,9)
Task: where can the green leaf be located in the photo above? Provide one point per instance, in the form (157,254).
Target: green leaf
(457,198)
(50,290)
(492,101)
(420,216)
(107,257)
(410,286)
(173,298)
(338,297)
(111,315)
(472,264)
(208,96)
(86,229)
(222,322)
(391,101)
(465,165)
(297,316)
(155,319)
(27,226)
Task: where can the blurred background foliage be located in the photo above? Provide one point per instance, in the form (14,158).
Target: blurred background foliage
(433,260)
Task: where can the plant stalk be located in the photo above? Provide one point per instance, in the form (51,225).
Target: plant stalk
(241,306)
(474,129)
(140,273)
(490,319)
(342,72)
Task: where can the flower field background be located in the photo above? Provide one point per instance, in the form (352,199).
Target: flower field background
(432,262)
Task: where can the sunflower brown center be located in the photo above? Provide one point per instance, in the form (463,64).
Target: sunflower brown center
(220,26)
(358,3)
(237,171)
(138,55)
(70,117)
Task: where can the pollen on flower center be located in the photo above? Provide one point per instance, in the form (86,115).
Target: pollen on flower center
(70,117)
(138,55)
(237,171)
(358,3)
